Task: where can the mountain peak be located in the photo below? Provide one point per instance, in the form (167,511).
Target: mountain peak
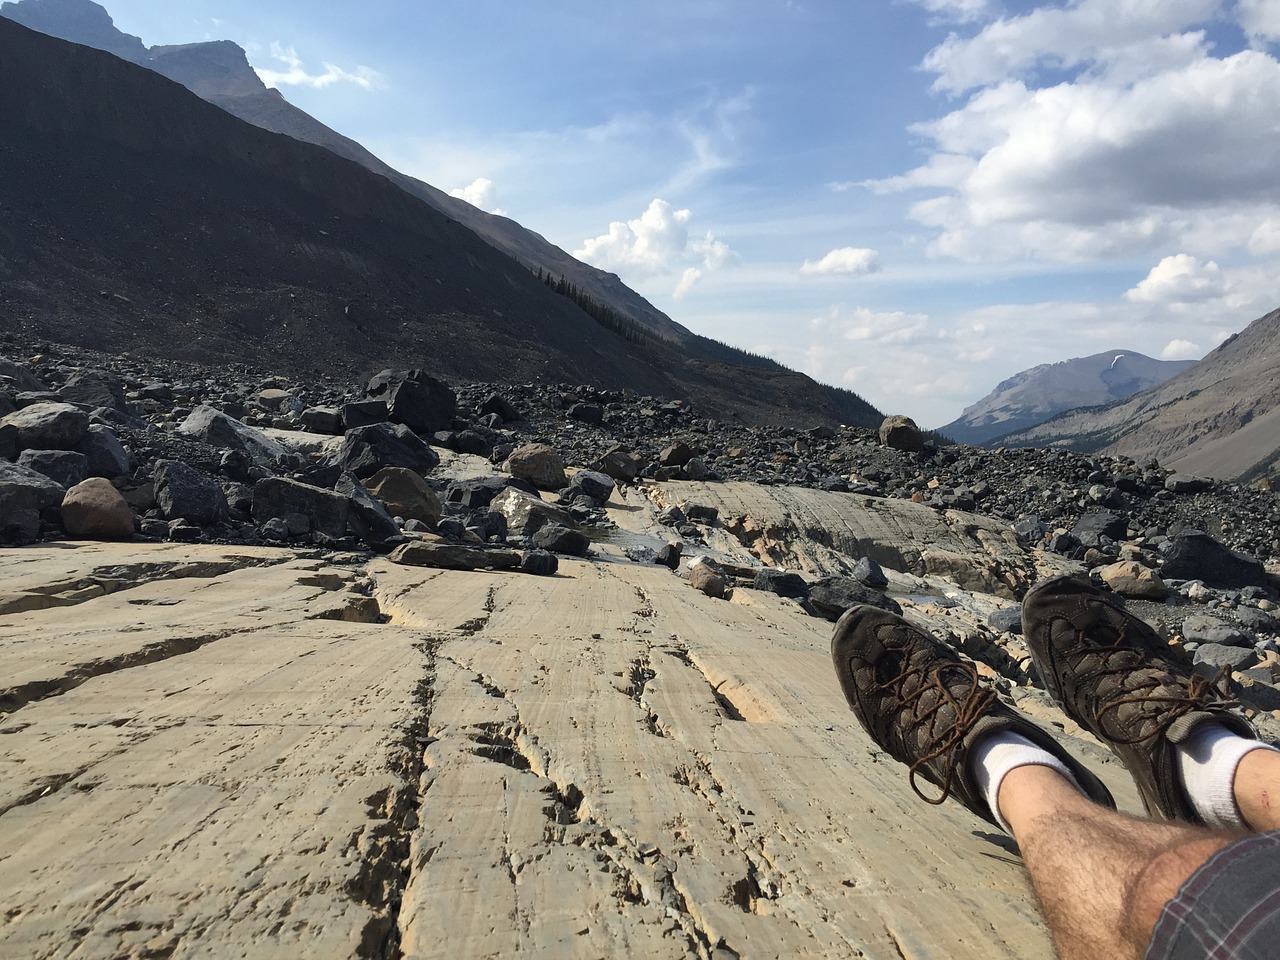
(80,21)
(1035,395)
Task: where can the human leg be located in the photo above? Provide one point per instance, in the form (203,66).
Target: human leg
(1102,878)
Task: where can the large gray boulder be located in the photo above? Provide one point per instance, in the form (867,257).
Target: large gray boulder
(367,516)
(1197,556)
(105,454)
(48,426)
(23,494)
(451,556)
(66,468)
(217,429)
(422,403)
(184,492)
(278,497)
(366,450)
(832,596)
(95,388)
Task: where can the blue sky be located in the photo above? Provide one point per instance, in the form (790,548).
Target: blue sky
(911,199)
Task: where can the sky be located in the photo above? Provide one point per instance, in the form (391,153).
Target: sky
(913,199)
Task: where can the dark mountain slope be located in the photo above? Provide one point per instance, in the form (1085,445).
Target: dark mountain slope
(219,72)
(1220,418)
(136,216)
(1035,395)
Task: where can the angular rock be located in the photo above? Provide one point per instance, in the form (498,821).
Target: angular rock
(23,494)
(1186,483)
(784,583)
(672,516)
(1095,524)
(622,465)
(366,516)
(707,577)
(1006,620)
(501,407)
(1197,556)
(1133,581)
(1210,657)
(540,465)
(48,426)
(450,556)
(64,467)
(700,513)
(696,469)
(1254,619)
(901,433)
(489,525)
(596,485)
(362,413)
(676,454)
(366,450)
(104,452)
(560,539)
(95,388)
(525,513)
(327,420)
(183,492)
(542,563)
(474,494)
(669,555)
(586,413)
(866,571)
(95,510)
(421,402)
(405,494)
(832,596)
(325,510)
(217,429)
(1202,630)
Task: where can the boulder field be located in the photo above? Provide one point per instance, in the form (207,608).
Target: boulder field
(580,704)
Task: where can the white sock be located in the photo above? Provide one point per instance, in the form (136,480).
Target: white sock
(1207,762)
(994,756)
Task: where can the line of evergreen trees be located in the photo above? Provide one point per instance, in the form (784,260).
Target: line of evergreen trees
(604,315)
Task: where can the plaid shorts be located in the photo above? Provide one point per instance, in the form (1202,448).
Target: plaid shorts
(1229,909)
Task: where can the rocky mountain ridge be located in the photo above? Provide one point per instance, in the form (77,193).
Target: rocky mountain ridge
(1220,418)
(1035,395)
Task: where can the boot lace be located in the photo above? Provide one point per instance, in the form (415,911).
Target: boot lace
(947,720)
(1199,693)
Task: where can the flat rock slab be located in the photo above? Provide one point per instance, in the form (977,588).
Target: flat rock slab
(602,763)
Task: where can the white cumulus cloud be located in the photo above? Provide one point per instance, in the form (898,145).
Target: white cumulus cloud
(1103,165)
(657,243)
(1260,19)
(844,260)
(480,193)
(1180,279)
(295,74)
(1181,350)
(1064,37)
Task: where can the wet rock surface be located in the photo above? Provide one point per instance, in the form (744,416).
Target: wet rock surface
(402,677)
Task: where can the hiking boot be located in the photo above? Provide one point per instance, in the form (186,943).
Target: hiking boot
(926,707)
(1112,674)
